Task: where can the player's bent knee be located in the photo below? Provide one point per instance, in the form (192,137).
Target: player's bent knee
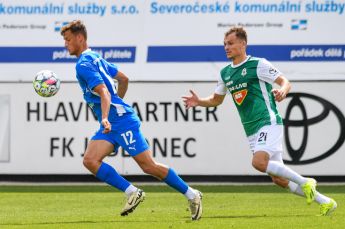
(90,163)
(260,161)
(86,163)
(259,165)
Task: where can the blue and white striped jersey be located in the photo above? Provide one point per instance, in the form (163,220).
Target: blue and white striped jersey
(93,70)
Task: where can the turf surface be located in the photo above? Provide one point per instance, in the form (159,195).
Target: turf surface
(225,206)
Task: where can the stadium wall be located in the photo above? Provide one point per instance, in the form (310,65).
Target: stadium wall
(48,136)
(167,48)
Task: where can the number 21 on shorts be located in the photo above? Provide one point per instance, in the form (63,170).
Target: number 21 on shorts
(262,137)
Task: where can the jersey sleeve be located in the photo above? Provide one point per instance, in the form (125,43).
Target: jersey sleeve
(112,69)
(267,72)
(220,88)
(90,74)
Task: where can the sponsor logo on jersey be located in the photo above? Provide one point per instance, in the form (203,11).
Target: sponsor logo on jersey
(239,96)
(272,71)
(227,77)
(244,72)
(229,83)
(237,86)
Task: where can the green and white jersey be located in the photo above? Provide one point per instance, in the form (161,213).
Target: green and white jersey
(250,84)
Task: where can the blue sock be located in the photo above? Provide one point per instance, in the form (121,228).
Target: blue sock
(174,181)
(109,175)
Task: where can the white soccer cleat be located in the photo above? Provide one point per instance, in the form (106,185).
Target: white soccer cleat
(133,201)
(195,206)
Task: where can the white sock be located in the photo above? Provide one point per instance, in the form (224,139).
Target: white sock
(319,198)
(295,189)
(190,194)
(280,170)
(130,190)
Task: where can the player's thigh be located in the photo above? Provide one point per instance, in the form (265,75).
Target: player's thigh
(98,149)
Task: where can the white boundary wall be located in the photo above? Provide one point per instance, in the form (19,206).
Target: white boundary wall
(206,143)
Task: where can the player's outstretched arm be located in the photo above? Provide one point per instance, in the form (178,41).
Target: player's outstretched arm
(193,100)
(122,87)
(285,86)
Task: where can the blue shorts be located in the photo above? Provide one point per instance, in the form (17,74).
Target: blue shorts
(131,139)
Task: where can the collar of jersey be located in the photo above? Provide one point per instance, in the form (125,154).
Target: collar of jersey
(237,65)
(86,50)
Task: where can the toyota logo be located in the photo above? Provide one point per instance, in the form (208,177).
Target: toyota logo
(304,123)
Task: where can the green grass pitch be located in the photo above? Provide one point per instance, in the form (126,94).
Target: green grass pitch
(225,206)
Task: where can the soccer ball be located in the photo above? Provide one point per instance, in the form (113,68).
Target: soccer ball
(46,83)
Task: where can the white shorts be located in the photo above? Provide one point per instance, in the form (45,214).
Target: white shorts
(268,139)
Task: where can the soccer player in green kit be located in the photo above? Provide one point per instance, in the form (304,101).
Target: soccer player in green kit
(249,80)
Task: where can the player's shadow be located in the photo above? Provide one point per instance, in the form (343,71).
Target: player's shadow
(76,222)
(251,216)
(149,221)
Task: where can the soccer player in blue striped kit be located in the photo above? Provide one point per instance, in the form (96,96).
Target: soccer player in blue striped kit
(119,124)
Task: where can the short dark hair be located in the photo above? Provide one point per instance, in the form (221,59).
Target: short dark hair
(75,27)
(239,32)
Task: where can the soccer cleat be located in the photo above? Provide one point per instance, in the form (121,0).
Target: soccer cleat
(195,206)
(327,209)
(133,201)
(309,189)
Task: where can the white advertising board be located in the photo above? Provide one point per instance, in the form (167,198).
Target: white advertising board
(5,128)
(174,40)
(48,135)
